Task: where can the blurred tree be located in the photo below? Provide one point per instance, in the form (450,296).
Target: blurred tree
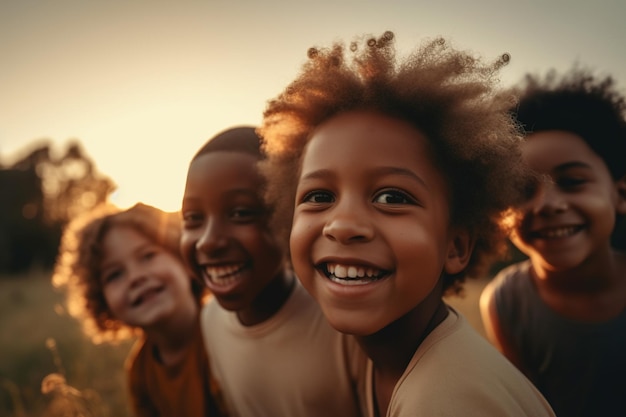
(39,195)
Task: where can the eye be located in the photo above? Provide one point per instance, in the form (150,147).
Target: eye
(192,219)
(570,183)
(318,197)
(246,214)
(111,275)
(393,197)
(148,254)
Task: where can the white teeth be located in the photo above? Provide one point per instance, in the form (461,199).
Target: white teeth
(557,232)
(341,271)
(223,275)
(349,281)
(352,274)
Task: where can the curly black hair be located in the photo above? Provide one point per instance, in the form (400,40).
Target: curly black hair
(586,104)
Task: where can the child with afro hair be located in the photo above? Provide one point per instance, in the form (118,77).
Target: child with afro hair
(389,176)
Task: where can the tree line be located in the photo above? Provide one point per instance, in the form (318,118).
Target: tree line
(40,194)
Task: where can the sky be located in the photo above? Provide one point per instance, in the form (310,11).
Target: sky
(142,84)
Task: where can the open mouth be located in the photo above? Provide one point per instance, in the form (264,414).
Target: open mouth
(146,295)
(556,232)
(352,274)
(223,275)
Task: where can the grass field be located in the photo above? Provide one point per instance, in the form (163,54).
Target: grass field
(38,339)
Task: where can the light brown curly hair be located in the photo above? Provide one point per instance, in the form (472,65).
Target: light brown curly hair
(448,94)
(80,255)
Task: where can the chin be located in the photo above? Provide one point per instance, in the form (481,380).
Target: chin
(352,324)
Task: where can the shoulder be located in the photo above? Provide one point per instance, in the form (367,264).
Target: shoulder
(464,366)
(137,361)
(510,277)
(503,291)
(211,312)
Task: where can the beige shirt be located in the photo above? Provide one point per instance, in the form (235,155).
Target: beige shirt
(292,365)
(456,372)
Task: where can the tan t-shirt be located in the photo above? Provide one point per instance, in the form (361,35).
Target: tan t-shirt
(456,372)
(292,365)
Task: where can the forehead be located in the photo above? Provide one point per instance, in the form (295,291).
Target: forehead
(122,238)
(217,167)
(366,139)
(548,150)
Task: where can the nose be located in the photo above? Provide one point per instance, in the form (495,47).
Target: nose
(548,199)
(349,222)
(137,274)
(213,238)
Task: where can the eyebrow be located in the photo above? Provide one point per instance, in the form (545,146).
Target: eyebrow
(570,165)
(385,170)
(228,193)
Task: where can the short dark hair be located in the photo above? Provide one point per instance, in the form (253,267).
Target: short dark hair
(581,103)
(235,139)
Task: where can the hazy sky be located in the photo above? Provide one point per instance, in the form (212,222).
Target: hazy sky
(144,83)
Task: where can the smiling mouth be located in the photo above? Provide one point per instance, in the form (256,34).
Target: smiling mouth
(556,232)
(224,274)
(352,274)
(146,295)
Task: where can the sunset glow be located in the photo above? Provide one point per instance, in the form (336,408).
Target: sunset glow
(143,84)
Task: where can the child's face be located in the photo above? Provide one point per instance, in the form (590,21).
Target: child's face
(571,213)
(225,235)
(371,235)
(143,283)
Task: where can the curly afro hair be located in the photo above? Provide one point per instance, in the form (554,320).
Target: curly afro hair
(448,94)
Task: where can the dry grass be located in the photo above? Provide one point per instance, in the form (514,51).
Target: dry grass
(38,339)
(40,344)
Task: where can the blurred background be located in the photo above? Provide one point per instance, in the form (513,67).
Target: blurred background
(109,100)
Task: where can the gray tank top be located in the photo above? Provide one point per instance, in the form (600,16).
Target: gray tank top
(579,367)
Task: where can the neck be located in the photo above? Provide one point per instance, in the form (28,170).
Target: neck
(172,338)
(269,301)
(598,274)
(392,348)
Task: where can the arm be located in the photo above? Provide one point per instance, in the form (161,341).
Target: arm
(493,327)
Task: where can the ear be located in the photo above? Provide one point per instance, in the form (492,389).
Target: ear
(460,250)
(620,186)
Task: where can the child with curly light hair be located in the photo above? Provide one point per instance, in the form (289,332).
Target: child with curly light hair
(389,176)
(560,316)
(124,277)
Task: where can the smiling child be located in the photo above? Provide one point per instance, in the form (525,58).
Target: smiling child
(388,178)
(561,315)
(125,277)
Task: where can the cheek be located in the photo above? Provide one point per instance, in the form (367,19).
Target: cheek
(188,247)
(187,240)
(518,235)
(263,246)
(300,240)
(112,298)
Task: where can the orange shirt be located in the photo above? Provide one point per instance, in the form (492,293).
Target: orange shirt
(186,389)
